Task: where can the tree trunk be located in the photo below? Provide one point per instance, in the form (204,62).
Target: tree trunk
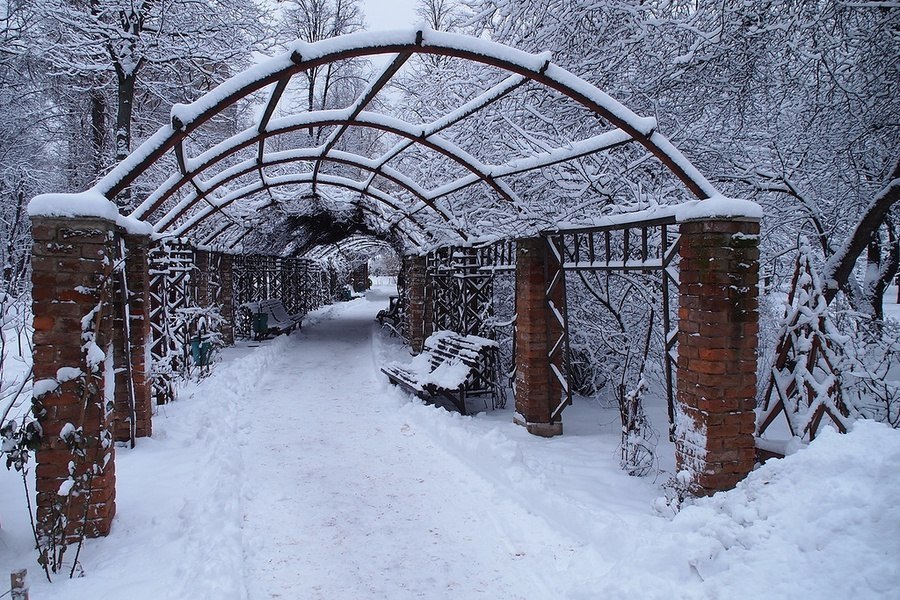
(840,265)
(124,108)
(98,133)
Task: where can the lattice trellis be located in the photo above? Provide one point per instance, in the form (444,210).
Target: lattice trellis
(184,284)
(171,269)
(641,246)
(460,293)
(301,284)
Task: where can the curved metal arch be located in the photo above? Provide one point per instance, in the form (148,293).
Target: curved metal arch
(284,157)
(356,244)
(367,209)
(248,190)
(287,125)
(302,57)
(258,186)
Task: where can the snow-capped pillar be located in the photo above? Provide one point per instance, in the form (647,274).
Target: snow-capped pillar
(537,391)
(226,278)
(73,374)
(137,276)
(415,295)
(717,352)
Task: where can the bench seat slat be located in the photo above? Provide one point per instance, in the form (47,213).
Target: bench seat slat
(445,352)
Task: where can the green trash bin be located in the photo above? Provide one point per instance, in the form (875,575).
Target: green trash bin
(200,351)
(260,324)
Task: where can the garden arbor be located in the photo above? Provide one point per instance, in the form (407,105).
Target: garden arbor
(420,187)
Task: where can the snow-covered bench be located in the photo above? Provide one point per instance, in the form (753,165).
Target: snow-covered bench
(452,366)
(277,320)
(390,317)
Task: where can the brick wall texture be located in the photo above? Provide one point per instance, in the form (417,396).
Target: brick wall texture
(717,350)
(537,391)
(71,258)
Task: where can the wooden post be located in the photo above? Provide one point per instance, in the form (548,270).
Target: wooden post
(415,310)
(18,585)
(131,353)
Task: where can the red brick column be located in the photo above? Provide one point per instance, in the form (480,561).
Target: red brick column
(137,250)
(226,278)
(537,391)
(71,267)
(717,344)
(415,311)
(200,281)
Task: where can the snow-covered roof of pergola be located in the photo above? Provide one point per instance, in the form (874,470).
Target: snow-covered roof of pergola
(209,182)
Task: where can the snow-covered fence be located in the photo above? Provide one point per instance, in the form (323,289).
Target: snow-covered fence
(186,286)
(302,285)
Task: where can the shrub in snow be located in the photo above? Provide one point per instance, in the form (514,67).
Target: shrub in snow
(614,344)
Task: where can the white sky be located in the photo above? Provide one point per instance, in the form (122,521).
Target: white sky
(389,14)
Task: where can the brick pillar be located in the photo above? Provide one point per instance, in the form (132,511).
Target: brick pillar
(537,391)
(717,343)
(415,294)
(226,278)
(71,261)
(428,308)
(137,249)
(201,278)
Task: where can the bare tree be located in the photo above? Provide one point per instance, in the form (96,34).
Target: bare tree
(316,20)
(114,51)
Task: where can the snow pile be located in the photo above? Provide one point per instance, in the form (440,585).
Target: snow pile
(89,204)
(717,207)
(823,523)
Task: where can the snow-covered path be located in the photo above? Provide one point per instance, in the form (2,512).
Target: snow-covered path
(342,499)
(296,472)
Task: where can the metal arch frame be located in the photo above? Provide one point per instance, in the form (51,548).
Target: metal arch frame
(291,156)
(209,239)
(214,206)
(297,122)
(377,194)
(280,69)
(479,172)
(350,246)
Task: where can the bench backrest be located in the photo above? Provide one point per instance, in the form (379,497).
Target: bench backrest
(278,311)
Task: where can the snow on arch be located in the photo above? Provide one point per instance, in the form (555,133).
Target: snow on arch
(196,172)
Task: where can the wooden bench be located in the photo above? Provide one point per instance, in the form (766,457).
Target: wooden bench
(453,366)
(390,316)
(277,319)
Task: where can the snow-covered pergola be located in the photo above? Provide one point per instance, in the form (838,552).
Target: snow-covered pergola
(211,184)
(203,186)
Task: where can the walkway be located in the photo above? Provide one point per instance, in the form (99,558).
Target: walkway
(345,500)
(295,472)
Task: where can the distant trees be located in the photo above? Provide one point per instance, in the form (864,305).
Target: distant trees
(127,60)
(26,139)
(792,104)
(316,20)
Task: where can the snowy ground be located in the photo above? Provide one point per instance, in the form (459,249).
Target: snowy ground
(297,472)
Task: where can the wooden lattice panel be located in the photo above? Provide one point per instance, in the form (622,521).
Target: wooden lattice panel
(301,284)
(459,291)
(172,267)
